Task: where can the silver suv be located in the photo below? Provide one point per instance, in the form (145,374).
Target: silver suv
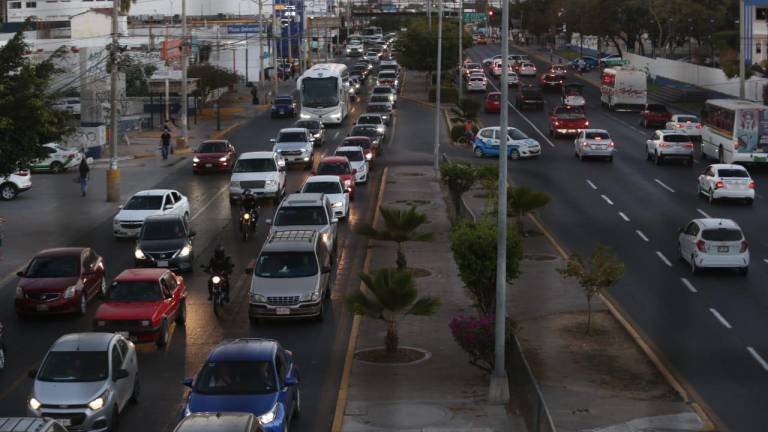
(291,277)
(307,211)
(295,145)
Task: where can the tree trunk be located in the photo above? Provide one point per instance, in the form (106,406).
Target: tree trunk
(392,341)
(589,315)
(402,264)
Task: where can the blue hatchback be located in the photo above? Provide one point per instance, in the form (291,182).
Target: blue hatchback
(519,145)
(248,375)
(284,106)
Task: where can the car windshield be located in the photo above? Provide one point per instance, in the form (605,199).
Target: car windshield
(480,79)
(382,90)
(365,131)
(162,230)
(320,92)
(134,291)
(322,187)
(286,265)
(732,173)
(364,119)
(283,101)
(54,267)
(212,147)
(569,110)
(597,135)
(377,98)
(294,216)
(291,137)
(573,91)
(678,138)
(531,93)
(721,234)
(352,155)
(494,97)
(387,75)
(378,108)
(255,165)
(687,119)
(308,124)
(236,378)
(516,134)
(334,168)
(144,202)
(74,366)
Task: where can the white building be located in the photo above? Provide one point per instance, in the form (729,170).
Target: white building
(50,10)
(95,23)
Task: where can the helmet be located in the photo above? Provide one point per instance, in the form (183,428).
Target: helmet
(219,252)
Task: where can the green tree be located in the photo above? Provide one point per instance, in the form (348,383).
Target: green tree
(417,48)
(600,272)
(26,117)
(459,177)
(391,295)
(399,226)
(474,251)
(466,109)
(211,77)
(522,200)
(125,5)
(137,75)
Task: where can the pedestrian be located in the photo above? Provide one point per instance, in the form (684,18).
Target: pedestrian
(84,174)
(255,95)
(166,143)
(469,131)
(293,71)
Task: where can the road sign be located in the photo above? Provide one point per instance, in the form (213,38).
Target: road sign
(279,7)
(473,17)
(242,28)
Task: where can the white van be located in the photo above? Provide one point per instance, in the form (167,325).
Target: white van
(622,88)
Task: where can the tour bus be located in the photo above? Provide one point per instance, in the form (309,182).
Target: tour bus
(734,131)
(324,93)
(372,32)
(623,88)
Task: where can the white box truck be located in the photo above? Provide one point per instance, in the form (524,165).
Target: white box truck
(623,88)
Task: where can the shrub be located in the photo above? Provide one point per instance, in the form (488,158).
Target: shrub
(448,94)
(457,131)
(476,336)
(459,177)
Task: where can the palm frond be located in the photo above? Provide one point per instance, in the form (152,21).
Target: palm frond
(425,306)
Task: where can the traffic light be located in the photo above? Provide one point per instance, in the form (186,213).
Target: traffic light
(490,13)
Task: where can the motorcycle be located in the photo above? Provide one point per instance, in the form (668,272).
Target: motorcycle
(248,223)
(218,282)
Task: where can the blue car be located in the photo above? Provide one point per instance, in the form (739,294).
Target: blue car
(250,375)
(487,141)
(589,62)
(283,106)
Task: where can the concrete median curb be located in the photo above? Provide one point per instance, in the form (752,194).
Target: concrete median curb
(223,133)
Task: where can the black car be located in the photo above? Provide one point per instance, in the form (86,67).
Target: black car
(165,241)
(283,106)
(315,127)
(3,357)
(360,70)
(529,97)
(369,131)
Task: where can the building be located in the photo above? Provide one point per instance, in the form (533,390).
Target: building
(95,23)
(49,10)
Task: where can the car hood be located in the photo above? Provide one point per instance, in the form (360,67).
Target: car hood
(136,215)
(291,146)
(249,176)
(67,393)
(162,245)
(283,287)
(254,404)
(209,156)
(334,198)
(47,284)
(357,165)
(137,310)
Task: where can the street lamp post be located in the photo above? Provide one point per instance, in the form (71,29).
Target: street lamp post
(438,90)
(742,50)
(184,90)
(461,48)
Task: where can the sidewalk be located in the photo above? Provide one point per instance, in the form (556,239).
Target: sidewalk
(443,392)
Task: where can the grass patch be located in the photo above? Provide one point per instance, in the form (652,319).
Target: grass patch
(415,203)
(402,355)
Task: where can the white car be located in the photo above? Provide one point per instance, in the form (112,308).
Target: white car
(357,160)
(295,146)
(333,188)
(527,69)
(594,143)
(714,243)
(14,184)
(512,79)
(372,56)
(476,83)
(263,173)
(355,48)
(687,123)
(71,105)
(129,220)
(59,159)
(669,144)
(727,181)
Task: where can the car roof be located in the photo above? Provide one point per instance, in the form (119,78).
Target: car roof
(218,421)
(299,199)
(63,251)
(672,132)
(356,138)
(90,341)
(334,159)
(349,148)
(284,97)
(244,349)
(162,217)
(140,275)
(323,179)
(493,93)
(257,155)
(728,166)
(150,192)
(717,223)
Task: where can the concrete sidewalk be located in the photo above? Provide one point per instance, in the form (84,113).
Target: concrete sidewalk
(443,392)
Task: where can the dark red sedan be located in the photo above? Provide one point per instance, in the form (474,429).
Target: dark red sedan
(493,102)
(551,81)
(59,281)
(214,156)
(338,166)
(142,303)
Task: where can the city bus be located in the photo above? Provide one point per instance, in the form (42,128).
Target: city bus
(372,32)
(734,131)
(324,93)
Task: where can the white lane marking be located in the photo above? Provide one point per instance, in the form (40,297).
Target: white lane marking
(720,318)
(765,260)
(758,358)
(608,200)
(663,185)
(703,213)
(642,236)
(525,118)
(623,216)
(663,258)
(336,134)
(209,202)
(592,185)
(689,285)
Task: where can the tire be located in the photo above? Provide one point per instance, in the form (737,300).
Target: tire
(743,271)
(83,305)
(710,196)
(720,155)
(114,422)
(647,154)
(514,155)
(479,152)
(610,158)
(136,392)
(8,192)
(3,358)
(56,167)
(321,316)
(162,339)
(328,288)
(551,133)
(181,315)
(749,201)
(244,230)
(689,161)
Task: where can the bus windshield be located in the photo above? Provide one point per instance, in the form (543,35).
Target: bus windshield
(320,92)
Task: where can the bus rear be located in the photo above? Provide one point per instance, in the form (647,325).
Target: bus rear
(735,131)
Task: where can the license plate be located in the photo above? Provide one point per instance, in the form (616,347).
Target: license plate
(282,311)
(722,248)
(42,307)
(208,165)
(282,112)
(64,422)
(162,263)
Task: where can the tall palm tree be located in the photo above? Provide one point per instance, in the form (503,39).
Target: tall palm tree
(522,200)
(399,227)
(391,296)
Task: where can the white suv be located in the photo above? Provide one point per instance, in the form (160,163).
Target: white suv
(129,220)
(714,243)
(261,172)
(307,211)
(295,145)
(727,181)
(14,184)
(670,144)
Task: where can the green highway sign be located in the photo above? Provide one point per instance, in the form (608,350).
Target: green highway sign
(473,17)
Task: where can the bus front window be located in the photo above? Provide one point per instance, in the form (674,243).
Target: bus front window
(320,92)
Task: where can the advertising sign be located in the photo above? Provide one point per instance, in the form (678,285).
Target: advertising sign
(752,130)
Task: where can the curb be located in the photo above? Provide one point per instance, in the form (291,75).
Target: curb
(223,133)
(341,400)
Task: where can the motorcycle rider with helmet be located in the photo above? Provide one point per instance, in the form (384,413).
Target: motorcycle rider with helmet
(220,264)
(248,204)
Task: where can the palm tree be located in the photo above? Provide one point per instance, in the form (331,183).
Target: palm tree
(125,5)
(522,200)
(399,227)
(391,295)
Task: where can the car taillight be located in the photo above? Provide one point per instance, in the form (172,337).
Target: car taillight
(663,145)
(22,173)
(586,123)
(744,246)
(700,245)
(557,123)
(679,126)
(610,144)
(689,145)
(719,184)
(751,184)
(584,144)
(698,126)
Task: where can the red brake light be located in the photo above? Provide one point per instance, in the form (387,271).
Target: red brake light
(698,126)
(744,246)
(586,123)
(584,144)
(22,173)
(751,184)
(610,144)
(597,138)
(689,145)
(700,245)
(719,184)
(663,145)
(678,125)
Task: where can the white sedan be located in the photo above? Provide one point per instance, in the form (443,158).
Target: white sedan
(687,123)
(594,143)
(333,188)
(129,220)
(727,181)
(713,243)
(527,69)
(476,83)
(357,160)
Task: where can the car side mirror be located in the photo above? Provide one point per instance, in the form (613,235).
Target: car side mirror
(120,374)
(168,207)
(272,140)
(291,381)
(187,382)
(32,373)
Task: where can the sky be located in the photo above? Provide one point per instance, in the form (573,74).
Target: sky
(208,7)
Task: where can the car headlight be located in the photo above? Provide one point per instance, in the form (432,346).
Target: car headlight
(246,216)
(216,280)
(19,292)
(185,251)
(269,416)
(380,128)
(304,116)
(257,298)
(223,159)
(195,159)
(391,98)
(347,183)
(337,204)
(97,403)
(139,254)
(34,404)
(70,291)
(369,156)
(269,183)
(310,296)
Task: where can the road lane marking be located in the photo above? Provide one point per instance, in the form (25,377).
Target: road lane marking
(608,200)
(758,358)
(592,185)
(525,118)
(623,216)
(336,134)
(765,260)
(663,185)
(703,213)
(689,285)
(663,258)
(642,236)
(209,202)
(720,318)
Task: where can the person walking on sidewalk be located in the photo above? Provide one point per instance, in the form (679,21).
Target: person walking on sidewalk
(84,172)
(255,95)
(166,143)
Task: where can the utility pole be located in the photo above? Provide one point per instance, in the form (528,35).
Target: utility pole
(274,51)
(261,49)
(742,50)
(498,391)
(461,48)
(113,173)
(429,14)
(184,102)
(439,89)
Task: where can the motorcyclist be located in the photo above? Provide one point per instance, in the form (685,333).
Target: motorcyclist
(220,264)
(249,204)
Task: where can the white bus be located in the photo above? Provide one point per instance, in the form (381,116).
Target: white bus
(324,93)
(734,131)
(622,88)
(372,32)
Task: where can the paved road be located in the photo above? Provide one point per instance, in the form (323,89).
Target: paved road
(704,324)
(319,347)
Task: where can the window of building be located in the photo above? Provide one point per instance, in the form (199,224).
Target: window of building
(15,5)
(31,5)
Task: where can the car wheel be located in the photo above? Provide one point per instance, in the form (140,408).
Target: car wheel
(319,317)
(514,155)
(114,421)
(83,307)
(56,167)
(479,152)
(551,132)
(689,161)
(711,196)
(3,358)
(186,219)
(162,339)
(136,391)
(181,315)
(297,404)
(694,268)
(720,155)
(581,157)
(610,158)
(8,192)
(749,201)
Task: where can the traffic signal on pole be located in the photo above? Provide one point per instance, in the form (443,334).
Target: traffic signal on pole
(490,13)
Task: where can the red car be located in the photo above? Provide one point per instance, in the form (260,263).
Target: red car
(550,81)
(654,114)
(493,102)
(59,281)
(142,303)
(567,120)
(366,144)
(338,166)
(214,155)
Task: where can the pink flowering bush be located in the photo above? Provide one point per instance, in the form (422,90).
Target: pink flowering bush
(475,335)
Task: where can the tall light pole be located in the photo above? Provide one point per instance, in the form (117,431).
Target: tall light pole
(436,155)
(113,173)
(742,50)
(498,391)
(429,13)
(184,45)
(274,51)
(461,48)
